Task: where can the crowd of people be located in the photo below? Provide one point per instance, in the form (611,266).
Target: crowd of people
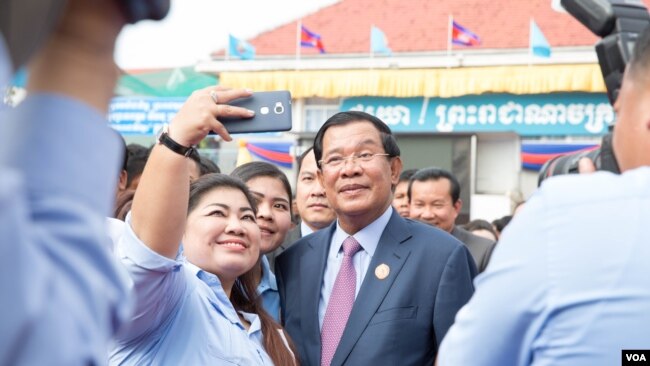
(159,258)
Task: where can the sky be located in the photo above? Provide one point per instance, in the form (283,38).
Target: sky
(194,28)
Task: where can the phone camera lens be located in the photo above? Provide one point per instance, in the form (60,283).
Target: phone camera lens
(279,108)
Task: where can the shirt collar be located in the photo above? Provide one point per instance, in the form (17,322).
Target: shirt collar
(254,320)
(368,237)
(268,278)
(223,303)
(304,229)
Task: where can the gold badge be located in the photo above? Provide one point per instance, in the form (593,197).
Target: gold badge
(382,271)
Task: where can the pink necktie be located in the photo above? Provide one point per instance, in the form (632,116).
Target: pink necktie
(340,303)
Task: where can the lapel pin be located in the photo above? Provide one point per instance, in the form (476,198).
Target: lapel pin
(382,271)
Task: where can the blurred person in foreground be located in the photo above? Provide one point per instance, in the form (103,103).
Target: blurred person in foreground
(568,284)
(62,298)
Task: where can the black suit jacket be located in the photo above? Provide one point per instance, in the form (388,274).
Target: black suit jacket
(292,236)
(480,248)
(399,320)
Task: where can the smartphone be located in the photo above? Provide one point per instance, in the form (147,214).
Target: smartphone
(272,113)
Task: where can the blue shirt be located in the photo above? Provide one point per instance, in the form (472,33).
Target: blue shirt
(368,238)
(268,288)
(62,296)
(305,229)
(568,281)
(182,315)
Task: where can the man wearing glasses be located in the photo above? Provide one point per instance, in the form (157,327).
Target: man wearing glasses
(373,287)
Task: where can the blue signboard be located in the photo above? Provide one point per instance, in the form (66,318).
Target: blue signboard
(142,116)
(584,114)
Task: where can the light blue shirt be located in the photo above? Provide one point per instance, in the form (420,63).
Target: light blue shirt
(268,288)
(368,238)
(62,297)
(305,229)
(182,315)
(568,283)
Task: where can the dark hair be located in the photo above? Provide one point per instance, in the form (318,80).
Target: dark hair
(500,224)
(433,173)
(244,297)
(640,61)
(302,157)
(123,204)
(244,294)
(137,159)
(342,118)
(406,175)
(207,166)
(480,224)
(257,169)
(209,182)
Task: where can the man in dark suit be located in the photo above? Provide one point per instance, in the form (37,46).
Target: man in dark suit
(434,198)
(310,203)
(373,288)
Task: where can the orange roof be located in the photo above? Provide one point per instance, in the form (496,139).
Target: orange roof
(422,25)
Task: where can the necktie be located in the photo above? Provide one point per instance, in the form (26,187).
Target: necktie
(340,303)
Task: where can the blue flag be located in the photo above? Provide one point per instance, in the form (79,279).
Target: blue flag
(378,41)
(240,48)
(538,43)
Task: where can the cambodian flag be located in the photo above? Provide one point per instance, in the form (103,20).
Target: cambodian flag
(311,39)
(462,36)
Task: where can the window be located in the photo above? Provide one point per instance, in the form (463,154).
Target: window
(317,111)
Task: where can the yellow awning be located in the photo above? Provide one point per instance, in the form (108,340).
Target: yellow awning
(537,79)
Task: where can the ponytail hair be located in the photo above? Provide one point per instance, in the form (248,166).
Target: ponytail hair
(244,297)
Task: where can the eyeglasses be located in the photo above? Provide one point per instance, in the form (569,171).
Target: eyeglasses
(337,162)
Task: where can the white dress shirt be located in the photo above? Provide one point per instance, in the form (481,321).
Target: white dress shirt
(305,229)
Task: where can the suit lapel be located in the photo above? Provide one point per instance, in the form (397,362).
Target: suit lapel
(391,252)
(312,268)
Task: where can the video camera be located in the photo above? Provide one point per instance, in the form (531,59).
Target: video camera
(25,24)
(619,23)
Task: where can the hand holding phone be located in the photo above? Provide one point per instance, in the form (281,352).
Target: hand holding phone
(272,113)
(200,114)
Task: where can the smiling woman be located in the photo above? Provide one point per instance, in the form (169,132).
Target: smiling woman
(198,307)
(272,192)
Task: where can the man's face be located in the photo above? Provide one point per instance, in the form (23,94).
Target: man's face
(313,207)
(631,141)
(401,199)
(431,203)
(359,191)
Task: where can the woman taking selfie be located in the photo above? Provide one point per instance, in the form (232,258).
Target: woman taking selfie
(198,307)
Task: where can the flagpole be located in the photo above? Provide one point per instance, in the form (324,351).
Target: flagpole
(449,27)
(228,49)
(530,42)
(371,53)
(298,33)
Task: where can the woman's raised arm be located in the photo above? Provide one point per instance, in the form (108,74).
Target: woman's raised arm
(159,207)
